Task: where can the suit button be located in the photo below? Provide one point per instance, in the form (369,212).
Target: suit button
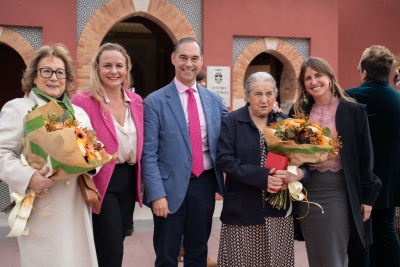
(187,177)
(68,183)
(189,159)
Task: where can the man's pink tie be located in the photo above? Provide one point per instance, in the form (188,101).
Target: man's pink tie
(195,135)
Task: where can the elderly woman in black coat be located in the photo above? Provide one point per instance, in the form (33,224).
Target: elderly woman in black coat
(253,233)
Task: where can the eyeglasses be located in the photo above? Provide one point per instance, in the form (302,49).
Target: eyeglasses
(47,73)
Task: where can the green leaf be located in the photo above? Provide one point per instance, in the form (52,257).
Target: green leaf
(279,121)
(291,134)
(326,131)
(33,108)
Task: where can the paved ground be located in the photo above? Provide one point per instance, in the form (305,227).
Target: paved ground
(138,247)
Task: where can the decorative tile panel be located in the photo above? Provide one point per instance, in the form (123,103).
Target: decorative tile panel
(239,44)
(33,35)
(302,45)
(193,11)
(84,11)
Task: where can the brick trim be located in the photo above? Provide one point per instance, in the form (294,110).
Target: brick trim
(18,43)
(282,50)
(161,12)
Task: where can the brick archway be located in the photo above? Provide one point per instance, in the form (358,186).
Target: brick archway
(18,43)
(168,17)
(282,50)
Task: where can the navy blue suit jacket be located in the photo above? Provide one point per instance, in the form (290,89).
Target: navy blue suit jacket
(166,159)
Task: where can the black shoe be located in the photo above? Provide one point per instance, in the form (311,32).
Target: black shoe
(130,231)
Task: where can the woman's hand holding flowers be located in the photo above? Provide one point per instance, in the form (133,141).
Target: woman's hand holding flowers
(288,177)
(38,181)
(274,183)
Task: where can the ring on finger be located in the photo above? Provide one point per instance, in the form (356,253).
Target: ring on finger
(45,189)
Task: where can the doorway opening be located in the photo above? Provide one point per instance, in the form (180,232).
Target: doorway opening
(150,49)
(267,63)
(10,74)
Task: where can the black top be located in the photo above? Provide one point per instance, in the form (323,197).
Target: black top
(383,108)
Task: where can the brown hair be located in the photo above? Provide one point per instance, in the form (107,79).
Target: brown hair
(57,50)
(96,87)
(377,61)
(201,76)
(188,40)
(396,75)
(321,66)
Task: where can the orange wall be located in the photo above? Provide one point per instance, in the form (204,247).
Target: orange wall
(363,23)
(314,19)
(56,18)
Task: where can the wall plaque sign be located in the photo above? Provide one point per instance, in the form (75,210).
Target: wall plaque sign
(219,81)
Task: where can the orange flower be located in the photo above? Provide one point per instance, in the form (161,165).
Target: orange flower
(91,157)
(80,134)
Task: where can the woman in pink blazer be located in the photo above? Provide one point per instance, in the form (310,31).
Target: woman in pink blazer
(116,114)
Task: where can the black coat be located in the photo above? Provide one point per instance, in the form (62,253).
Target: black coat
(357,160)
(239,158)
(383,104)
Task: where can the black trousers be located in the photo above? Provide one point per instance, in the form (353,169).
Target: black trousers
(110,226)
(193,219)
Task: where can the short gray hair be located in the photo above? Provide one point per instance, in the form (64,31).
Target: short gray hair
(260,77)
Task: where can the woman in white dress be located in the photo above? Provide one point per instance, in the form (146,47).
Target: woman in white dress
(65,236)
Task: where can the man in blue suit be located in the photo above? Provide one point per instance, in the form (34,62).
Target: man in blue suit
(182,202)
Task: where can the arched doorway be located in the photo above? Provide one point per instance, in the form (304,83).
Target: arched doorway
(10,74)
(160,12)
(267,63)
(149,47)
(282,51)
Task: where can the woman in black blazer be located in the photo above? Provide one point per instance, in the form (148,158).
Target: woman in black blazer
(345,185)
(253,233)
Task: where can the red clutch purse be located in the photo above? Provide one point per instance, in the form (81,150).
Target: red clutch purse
(276,161)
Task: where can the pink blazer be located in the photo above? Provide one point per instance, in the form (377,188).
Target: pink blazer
(106,133)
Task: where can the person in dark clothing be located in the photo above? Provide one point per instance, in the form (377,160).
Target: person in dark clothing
(383,105)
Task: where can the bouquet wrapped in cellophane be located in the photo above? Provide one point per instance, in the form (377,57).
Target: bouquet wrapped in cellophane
(65,146)
(301,141)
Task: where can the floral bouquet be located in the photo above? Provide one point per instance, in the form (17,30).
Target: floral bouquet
(64,145)
(301,141)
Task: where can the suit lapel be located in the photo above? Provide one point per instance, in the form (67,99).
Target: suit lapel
(206,103)
(341,112)
(137,115)
(174,103)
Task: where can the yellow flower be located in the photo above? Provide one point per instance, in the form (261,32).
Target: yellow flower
(81,145)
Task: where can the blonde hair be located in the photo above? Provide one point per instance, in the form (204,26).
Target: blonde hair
(96,87)
(321,66)
(57,50)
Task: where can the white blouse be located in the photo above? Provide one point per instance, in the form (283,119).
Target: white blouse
(126,135)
